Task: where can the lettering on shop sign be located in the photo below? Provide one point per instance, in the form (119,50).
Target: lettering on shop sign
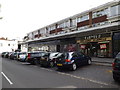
(93,37)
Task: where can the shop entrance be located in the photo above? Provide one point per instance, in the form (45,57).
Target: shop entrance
(96,49)
(58,48)
(92,48)
(96,45)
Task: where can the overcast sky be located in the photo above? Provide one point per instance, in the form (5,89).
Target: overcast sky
(23,16)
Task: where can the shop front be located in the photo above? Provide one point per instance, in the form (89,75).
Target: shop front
(68,45)
(116,43)
(96,45)
(43,46)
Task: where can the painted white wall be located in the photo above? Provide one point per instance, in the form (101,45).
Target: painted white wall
(24,47)
(8,46)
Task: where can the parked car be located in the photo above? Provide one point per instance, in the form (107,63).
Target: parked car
(3,54)
(116,68)
(13,55)
(21,56)
(72,60)
(48,60)
(9,54)
(33,57)
(6,55)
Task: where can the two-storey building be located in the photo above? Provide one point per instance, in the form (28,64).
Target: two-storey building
(95,32)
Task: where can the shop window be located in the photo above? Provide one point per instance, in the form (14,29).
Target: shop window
(116,43)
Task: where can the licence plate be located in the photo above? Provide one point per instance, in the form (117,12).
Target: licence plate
(59,64)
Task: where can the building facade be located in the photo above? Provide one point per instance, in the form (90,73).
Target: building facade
(8,45)
(95,32)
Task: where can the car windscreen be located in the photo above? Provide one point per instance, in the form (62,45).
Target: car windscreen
(23,52)
(44,54)
(59,55)
(53,54)
(68,55)
(118,55)
(15,53)
(3,52)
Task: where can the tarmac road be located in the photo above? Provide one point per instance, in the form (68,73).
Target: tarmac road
(17,74)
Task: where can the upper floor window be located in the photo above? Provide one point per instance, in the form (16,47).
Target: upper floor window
(100,13)
(114,10)
(35,32)
(67,24)
(8,44)
(30,35)
(60,25)
(42,31)
(51,28)
(73,23)
(46,29)
(83,18)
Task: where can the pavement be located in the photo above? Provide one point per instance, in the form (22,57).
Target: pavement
(102,61)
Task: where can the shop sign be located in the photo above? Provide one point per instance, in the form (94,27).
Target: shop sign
(78,41)
(93,37)
(70,47)
(82,46)
(103,46)
(44,48)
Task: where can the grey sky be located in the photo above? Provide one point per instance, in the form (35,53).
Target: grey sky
(23,16)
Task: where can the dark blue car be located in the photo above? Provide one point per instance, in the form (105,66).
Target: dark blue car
(116,68)
(72,60)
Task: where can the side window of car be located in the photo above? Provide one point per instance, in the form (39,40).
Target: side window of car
(74,55)
(81,55)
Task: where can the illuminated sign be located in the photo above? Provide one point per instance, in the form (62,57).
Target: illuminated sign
(82,46)
(103,46)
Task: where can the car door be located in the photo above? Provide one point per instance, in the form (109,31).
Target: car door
(75,57)
(81,58)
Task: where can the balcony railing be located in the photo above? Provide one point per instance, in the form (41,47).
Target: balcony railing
(56,30)
(100,19)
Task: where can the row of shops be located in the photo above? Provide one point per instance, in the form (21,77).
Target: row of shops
(98,45)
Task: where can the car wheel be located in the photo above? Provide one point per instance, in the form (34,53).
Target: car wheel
(115,78)
(51,64)
(74,67)
(89,62)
